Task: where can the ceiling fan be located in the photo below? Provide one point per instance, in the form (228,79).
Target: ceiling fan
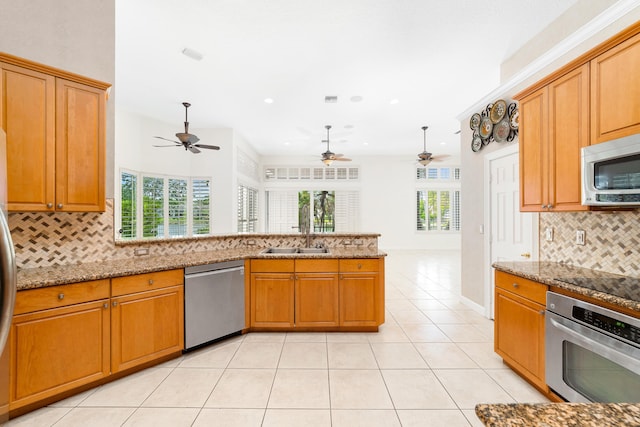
(425,157)
(186,139)
(328,157)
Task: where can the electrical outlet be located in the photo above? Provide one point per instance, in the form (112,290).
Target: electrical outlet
(141,251)
(581,237)
(548,234)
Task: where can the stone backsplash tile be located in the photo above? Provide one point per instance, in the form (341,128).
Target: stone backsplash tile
(54,239)
(612,240)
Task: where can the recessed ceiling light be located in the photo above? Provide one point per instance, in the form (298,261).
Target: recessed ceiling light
(365,143)
(394,101)
(268,100)
(331,99)
(356,98)
(287,143)
(443,143)
(193,54)
(349,126)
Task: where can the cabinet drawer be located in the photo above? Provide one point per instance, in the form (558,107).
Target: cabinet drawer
(317,265)
(272,265)
(60,296)
(359,264)
(524,287)
(146,282)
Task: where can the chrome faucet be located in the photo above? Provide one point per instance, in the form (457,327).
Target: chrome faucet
(304,226)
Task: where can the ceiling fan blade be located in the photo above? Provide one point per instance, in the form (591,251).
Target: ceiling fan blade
(193,149)
(439,157)
(170,140)
(342,159)
(161,146)
(208,147)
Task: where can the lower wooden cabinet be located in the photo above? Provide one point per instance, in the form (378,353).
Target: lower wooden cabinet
(316,293)
(519,326)
(58,349)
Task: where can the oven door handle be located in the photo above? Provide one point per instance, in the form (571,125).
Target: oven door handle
(608,352)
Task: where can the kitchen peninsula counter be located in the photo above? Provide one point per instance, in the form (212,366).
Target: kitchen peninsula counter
(623,291)
(31,278)
(559,414)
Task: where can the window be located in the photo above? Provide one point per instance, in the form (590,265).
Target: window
(438,210)
(330,210)
(163,206)
(438,174)
(247,209)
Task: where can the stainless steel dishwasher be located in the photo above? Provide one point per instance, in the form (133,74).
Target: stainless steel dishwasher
(213,302)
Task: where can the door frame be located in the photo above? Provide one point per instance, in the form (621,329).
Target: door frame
(488,276)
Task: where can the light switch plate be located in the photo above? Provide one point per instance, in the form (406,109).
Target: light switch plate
(581,237)
(548,234)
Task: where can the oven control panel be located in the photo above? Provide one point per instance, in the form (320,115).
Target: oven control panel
(608,324)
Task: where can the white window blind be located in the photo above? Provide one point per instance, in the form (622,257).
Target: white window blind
(128,205)
(247,209)
(201,206)
(152,206)
(438,210)
(177,207)
(347,211)
(282,211)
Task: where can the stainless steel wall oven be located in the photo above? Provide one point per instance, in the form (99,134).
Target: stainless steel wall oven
(592,353)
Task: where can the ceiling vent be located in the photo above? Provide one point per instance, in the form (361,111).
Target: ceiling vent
(330,99)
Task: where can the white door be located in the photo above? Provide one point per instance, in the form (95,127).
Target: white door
(513,235)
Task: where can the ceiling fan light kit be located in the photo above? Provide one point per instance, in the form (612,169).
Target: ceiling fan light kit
(187,140)
(328,157)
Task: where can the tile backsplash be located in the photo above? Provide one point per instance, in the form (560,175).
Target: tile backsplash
(612,240)
(43,239)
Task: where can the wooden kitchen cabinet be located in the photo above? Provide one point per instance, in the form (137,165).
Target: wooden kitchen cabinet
(554,126)
(615,92)
(147,318)
(519,326)
(360,293)
(316,293)
(56,136)
(272,293)
(59,340)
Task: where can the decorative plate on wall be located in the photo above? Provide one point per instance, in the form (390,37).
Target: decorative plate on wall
(501,130)
(497,111)
(474,123)
(514,119)
(485,127)
(476,143)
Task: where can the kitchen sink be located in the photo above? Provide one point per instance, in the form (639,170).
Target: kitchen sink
(295,251)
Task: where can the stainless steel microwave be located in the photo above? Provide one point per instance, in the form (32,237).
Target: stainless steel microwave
(611,173)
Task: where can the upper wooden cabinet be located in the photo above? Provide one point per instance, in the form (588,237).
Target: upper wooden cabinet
(554,127)
(615,92)
(56,135)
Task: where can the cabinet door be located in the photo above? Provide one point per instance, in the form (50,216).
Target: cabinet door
(27,115)
(615,92)
(57,350)
(359,299)
(80,147)
(146,326)
(272,300)
(568,133)
(519,335)
(316,299)
(533,155)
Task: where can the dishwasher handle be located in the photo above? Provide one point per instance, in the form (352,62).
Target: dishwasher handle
(212,272)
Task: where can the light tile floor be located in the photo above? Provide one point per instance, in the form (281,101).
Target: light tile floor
(429,365)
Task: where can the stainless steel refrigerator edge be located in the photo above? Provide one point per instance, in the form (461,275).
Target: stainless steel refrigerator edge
(7,283)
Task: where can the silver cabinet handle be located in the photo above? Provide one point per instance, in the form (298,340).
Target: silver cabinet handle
(49,205)
(59,206)
(150,281)
(105,305)
(115,303)
(515,286)
(544,206)
(61,296)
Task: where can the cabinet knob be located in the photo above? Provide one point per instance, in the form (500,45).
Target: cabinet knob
(150,281)
(359,266)
(549,206)
(59,206)
(544,206)
(105,305)
(293,277)
(541,312)
(60,296)
(515,286)
(49,205)
(115,303)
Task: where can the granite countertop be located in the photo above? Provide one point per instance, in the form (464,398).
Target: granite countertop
(617,289)
(559,414)
(31,278)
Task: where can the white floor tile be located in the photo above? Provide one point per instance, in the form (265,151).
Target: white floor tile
(300,388)
(230,418)
(469,387)
(297,418)
(162,417)
(184,387)
(351,356)
(425,333)
(308,355)
(242,388)
(518,388)
(214,356)
(130,391)
(43,417)
(306,337)
(398,356)
(95,417)
(253,355)
(465,333)
(473,419)
(445,356)
(389,333)
(358,389)
(364,418)
(416,389)
(482,353)
(432,418)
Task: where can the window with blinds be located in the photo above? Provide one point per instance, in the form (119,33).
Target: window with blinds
(128,205)
(247,209)
(447,173)
(159,206)
(332,211)
(201,206)
(438,210)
